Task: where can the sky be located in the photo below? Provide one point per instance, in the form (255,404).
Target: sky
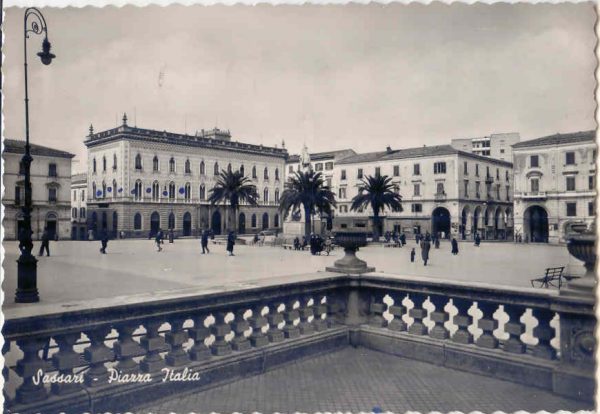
(330,77)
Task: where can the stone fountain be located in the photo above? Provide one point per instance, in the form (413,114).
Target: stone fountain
(350,264)
(582,246)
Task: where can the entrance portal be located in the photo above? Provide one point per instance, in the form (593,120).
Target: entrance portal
(154,223)
(440,221)
(215,223)
(536,224)
(242,223)
(187,224)
(51,226)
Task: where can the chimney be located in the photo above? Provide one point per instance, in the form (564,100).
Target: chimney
(388,149)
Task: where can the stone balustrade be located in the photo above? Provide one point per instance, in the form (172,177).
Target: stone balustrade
(121,354)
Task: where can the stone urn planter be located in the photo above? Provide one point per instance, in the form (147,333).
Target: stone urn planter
(582,246)
(350,264)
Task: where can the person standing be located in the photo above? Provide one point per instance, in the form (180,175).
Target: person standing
(230,242)
(425,247)
(158,239)
(171,236)
(477,239)
(104,241)
(45,243)
(403,239)
(454,246)
(437,242)
(204,241)
(412,255)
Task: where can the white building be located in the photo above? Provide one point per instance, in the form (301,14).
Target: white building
(140,180)
(443,190)
(79,207)
(496,146)
(50,186)
(555,185)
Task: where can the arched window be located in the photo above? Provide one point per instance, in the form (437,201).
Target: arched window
(114,188)
(265,221)
(202,168)
(276,220)
(74,212)
(216,171)
(266,195)
(277,195)
(277,173)
(188,168)
(94,166)
(93,190)
(253,221)
(138,162)
(228,168)
(172,165)
(266,174)
(171,221)
(155,163)
(114,162)
(103,163)
(137,192)
(137,221)
(242,170)
(254,171)
(155,191)
(82,212)
(171,190)
(103,189)
(187,192)
(202,192)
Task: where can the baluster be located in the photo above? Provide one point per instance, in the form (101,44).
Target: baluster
(154,344)
(274,318)
(199,351)
(544,333)
(376,308)
(333,310)
(290,314)
(64,361)
(418,313)
(397,310)
(176,338)
(220,329)
(29,366)
(96,355)
(319,323)
(439,316)
(463,320)
(126,349)
(487,324)
(515,329)
(6,375)
(239,326)
(257,322)
(306,312)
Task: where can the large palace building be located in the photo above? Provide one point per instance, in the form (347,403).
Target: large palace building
(555,185)
(444,190)
(140,180)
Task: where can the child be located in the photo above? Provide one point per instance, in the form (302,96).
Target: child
(412,255)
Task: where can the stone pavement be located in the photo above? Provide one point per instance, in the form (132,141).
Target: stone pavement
(361,380)
(76,271)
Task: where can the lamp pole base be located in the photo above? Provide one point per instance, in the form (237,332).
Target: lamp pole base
(27,291)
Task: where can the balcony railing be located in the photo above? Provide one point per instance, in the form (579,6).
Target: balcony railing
(502,332)
(440,196)
(531,194)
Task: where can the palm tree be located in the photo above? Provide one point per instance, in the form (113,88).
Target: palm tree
(376,192)
(233,188)
(307,189)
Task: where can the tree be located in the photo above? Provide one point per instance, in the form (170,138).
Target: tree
(307,189)
(377,192)
(233,188)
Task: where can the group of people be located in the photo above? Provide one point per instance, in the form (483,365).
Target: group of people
(399,239)
(425,241)
(317,244)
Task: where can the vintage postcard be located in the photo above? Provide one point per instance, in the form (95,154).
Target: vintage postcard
(299,208)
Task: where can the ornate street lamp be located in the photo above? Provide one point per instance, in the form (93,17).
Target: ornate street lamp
(27,264)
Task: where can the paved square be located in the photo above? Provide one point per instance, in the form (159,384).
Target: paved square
(359,380)
(76,270)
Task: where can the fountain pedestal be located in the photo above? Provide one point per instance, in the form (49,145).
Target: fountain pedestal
(350,264)
(582,246)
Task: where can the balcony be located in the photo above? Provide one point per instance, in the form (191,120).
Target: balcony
(531,195)
(440,196)
(203,337)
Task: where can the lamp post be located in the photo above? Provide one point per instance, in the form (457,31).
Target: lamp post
(27,264)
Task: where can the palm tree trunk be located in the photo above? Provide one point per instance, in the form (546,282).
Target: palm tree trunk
(234,213)
(307,219)
(376,226)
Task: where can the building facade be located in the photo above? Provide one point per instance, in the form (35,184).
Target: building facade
(50,186)
(496,146)
(444,190)
(140,180)
(79,230)
(555,185)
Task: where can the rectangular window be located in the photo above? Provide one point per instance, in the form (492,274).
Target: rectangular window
(417,189)
(571,209)
(507,177)
(82,212)
(416,208)
(535,185)
(477,170)
(570,158)
(591,209)
(377,171)
(440,189)
(416,169)
(477,188)
(21,168)
(439,168)
(17,195)
(291,169)
(502,151)
(52,195)
(342,193)
(74,195)
(570,183)
(359,173)
(465,168)
(343,174)
(328,166)
(497,173)
(507,193)
(82,195)
(466,188)
(534,161)
(396,170)
(319,166)
(591,182)
(52,170)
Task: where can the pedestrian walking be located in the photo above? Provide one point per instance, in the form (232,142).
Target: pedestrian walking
(477,239)
(171,236)
(425,247)
(104,242)
(230,242)
(437,242)
(158,240)
(412,255)
(45,243)
(204,241)
(403,239)
(454,246)
(296,243)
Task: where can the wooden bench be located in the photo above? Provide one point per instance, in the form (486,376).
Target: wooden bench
(287,246)
(553,277)
(219,241)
